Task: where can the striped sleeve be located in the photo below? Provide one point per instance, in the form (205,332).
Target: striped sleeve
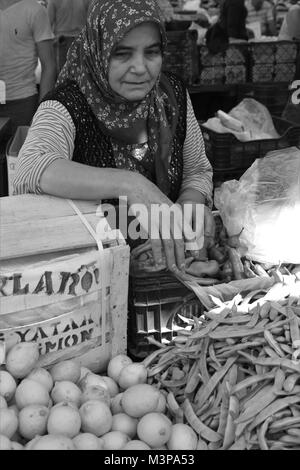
(197,171)
(50,136)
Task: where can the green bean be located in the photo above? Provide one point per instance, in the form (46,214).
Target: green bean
(270,410)
(205,392)
(253,380)
(290,382)
(261,434)
(200,428)
(273,343)
(257,404)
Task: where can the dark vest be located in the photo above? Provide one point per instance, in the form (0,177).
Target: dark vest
(93,147)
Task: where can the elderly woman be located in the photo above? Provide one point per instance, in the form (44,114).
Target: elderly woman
(115,125)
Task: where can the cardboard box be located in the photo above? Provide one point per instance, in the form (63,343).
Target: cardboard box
(56,286)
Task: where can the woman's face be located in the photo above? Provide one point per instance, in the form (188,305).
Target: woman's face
(136,62)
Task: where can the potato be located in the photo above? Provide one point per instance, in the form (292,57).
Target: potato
(182,437)
(132,374)
(87,441)
(8,385)
(8,422)
(30,392)
(66,370)
(96,417)
(22,358)
(52,442)
(140,399)
(66,391)
(41,375)
(114,440)
(33,421)
(154,429)
(64,419)
(116,364)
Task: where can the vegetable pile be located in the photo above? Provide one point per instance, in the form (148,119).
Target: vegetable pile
(234,374)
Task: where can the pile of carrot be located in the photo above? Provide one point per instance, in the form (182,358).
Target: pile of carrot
(234,373)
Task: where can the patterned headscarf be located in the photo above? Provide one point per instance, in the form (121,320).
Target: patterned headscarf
(88,65)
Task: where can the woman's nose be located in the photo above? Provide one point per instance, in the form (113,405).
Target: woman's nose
(138,64)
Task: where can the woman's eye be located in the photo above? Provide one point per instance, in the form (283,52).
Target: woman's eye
(121,55)
(153,52)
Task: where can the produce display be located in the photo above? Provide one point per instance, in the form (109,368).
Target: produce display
(68,407)
(234,376)
(229,380)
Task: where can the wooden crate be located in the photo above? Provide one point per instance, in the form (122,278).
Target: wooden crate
(56,287)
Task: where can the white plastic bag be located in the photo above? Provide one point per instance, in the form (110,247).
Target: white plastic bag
(264,207)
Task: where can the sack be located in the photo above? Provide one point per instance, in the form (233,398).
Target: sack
(216,39)
(264,208)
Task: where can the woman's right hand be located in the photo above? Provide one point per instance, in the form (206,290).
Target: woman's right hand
(161,221)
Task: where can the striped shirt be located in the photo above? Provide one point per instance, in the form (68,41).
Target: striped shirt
(52,136)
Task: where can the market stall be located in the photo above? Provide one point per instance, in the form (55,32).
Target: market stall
(221,369)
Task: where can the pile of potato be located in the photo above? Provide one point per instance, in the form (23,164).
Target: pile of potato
(68,407)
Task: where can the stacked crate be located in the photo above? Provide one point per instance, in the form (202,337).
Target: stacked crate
(229,67)
(273,61)
(181,55)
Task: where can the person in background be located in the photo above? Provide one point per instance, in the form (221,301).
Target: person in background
(233,14)
(115,125)
(166,9)
(67,18)
(262,12)
(290,28)
(25,37)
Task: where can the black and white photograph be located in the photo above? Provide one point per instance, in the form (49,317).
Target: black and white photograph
(149,229)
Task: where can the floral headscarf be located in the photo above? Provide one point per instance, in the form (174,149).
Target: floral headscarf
(88,65)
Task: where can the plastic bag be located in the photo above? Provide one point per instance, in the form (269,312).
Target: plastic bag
(264,208)
(255,122)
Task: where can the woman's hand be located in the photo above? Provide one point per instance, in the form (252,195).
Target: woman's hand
(202,228)
(161,221)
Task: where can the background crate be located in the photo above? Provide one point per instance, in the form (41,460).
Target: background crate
(226,151)
(262,52)
(210,60)
(236,54)
(261,72)
(155,303)
(284,72)
(212,75)
(286,51)
(181,55)
(235,74)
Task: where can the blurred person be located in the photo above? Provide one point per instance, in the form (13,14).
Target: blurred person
(290,28)
(25,37)
(262,12)
(233,14)
(67,18)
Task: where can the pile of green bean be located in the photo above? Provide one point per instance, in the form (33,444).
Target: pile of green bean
(234,374)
